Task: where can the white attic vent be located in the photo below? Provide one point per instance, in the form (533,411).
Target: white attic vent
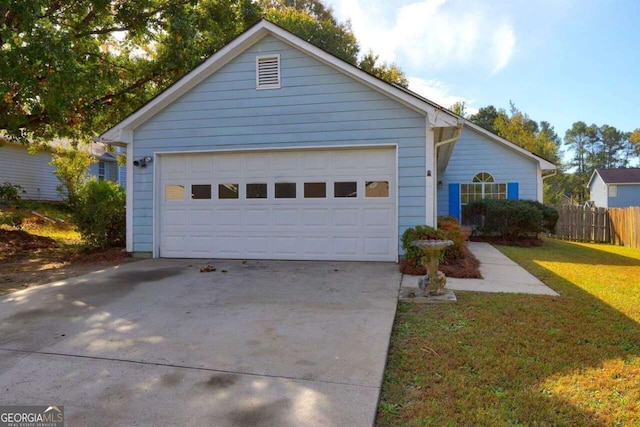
(268,72)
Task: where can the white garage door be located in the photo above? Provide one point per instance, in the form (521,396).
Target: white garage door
(306,205)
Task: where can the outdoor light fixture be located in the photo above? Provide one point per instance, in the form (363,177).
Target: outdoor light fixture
(143,161)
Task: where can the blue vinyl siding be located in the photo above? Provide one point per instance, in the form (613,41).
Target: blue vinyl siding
(628,195)
(317,106)
(474,153)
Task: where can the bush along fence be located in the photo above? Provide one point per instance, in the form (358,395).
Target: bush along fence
(618,226)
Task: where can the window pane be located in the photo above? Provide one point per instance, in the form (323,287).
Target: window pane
(227,191)
(285,190)
(256,191)
(174,192)
(201,191)
(376,189)
(345,189)
(315,190)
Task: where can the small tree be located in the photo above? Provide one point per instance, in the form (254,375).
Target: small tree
(99,213)
(72,166)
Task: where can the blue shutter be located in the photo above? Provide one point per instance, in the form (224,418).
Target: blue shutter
(512,191)
(454,200)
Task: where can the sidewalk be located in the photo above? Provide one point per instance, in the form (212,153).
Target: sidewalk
(500,274)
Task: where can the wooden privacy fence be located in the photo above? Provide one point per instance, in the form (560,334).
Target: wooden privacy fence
(618,226)
(625,226)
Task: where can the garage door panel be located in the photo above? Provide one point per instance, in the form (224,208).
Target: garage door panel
(346,246)
(344,217)
(257,217)
(315,246)
(228,245)
(377,246)
(228,217)
(256,246)
(320,226)
(285,246)
(174,217)
(285,217)
(316,217)
(377,217)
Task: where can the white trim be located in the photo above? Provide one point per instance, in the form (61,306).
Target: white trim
(157,160)
(544,164)
(277,85)
(295,148)
(441,116)
(430,189)
(129,203)
(155,202)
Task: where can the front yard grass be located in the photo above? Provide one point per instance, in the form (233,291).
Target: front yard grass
(509,359)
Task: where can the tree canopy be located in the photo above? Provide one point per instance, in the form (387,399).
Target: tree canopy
(70,69)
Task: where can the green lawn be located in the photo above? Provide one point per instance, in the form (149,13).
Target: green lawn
(507,359)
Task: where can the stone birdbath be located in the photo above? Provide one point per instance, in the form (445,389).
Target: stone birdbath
(434,282)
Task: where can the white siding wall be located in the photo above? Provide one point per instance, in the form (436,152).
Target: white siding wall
(474,153)
(316,106)
(598,192)
(32,172)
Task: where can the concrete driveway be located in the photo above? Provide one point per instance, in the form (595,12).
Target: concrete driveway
(157,342)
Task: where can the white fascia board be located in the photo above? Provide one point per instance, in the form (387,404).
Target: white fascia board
(544,164)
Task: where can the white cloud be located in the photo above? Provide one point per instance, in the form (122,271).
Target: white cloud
(431,35)
(439,92)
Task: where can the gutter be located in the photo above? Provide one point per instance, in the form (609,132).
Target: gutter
(554,173)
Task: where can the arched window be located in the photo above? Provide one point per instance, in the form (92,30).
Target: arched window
(482,186)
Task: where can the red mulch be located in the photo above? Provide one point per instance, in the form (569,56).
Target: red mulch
(102,255)
(465,267)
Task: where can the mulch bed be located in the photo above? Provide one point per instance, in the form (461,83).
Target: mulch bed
(14,241)
(465,267)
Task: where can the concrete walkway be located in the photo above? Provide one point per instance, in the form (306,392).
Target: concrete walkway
(500,274)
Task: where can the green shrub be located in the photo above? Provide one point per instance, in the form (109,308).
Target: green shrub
(10,193)
(99,214)
(448,229)
(510,219)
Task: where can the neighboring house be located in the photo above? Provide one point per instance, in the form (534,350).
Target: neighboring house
(275,149)
(35,175)
(615,188)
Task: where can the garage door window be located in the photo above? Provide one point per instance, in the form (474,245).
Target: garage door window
(256,191)
(201,191)
(227,191)
(376,189)
(345,189)
(285,190)
(174,192)
(315,190)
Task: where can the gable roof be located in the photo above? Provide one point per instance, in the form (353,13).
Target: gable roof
(617,176)
(544,163)
(437,116)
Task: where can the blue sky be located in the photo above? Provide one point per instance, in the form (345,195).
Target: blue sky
(561,61)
